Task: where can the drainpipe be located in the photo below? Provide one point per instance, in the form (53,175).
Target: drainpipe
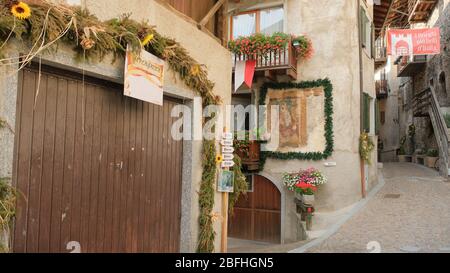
(361,95)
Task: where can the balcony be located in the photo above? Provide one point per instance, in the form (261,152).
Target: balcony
(381,87)
(274,63)
(420,10)
(380,52)
(408,66)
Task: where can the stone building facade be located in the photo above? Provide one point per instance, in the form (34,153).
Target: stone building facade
(338,56)
(434,73)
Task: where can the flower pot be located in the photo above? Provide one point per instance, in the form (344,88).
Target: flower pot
(250,154)
(430,162)
(308,199)
(401,158)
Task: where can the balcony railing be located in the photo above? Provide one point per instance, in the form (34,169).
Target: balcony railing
(275,62)
(381,87)
(408,66)
(380,52)
(420,10)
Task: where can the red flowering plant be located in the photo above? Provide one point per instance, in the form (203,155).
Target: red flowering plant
(305,188)
(305,181)
(259,44)
(303,47)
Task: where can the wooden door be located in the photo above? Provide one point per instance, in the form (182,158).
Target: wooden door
(257,216)
(94,167)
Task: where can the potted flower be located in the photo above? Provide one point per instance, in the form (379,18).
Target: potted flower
(248,146)
(303,47)
(304,184)
(402,154)
(431,158)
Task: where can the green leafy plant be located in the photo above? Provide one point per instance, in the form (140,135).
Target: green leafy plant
(240,184)
(303,46)
(366,147)
(402,150)
(411,131)
(3,248)
(7,208)
(447,119)
(206,199)
(258,44)
(304,182)
(432,153)
(7,203)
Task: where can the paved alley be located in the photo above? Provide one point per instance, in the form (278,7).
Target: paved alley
(411,213)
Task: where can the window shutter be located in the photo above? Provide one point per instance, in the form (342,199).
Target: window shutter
(372,37)
(366,113)
(377,117)
(362,26)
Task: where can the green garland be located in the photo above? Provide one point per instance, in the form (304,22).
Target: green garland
(7,208)
(329,135)
(93,39)
(206,198)
(240,184)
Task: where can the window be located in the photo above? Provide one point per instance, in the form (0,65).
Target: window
(272,21)
(267,21)
(367,34)
(249,178)
(244,25)
(369,114)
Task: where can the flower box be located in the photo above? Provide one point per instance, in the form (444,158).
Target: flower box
(402,158)
(430,162)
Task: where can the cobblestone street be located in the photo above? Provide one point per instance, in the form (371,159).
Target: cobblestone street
(411,213)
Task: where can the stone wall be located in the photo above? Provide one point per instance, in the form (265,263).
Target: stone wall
(436,74)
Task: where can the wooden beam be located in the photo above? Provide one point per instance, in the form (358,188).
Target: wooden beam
(211,13)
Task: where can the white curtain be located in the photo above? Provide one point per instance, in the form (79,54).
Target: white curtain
(244,25)
(272,20)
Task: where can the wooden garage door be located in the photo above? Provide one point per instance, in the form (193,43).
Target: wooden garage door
(94,167)
(257,216)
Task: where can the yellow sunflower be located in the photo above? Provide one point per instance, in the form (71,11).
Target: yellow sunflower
(219,159)
(147,39)
(195,70)
(21,10)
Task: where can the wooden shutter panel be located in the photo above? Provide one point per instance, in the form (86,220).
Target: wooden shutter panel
(362,26)
(377,117)
(366,113)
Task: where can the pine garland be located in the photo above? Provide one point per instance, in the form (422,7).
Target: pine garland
(240,184)
(7,209)
(206,198)
(328,109)
(93,39)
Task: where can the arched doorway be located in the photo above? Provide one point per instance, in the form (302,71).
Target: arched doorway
(257,216)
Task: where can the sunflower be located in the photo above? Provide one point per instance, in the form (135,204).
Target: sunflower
(21,10)
(147,39)
(219,159)
(195,70)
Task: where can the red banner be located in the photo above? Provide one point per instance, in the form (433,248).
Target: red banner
(403,42)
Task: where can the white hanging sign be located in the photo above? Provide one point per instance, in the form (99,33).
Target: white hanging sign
(227,150)
(144,77)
